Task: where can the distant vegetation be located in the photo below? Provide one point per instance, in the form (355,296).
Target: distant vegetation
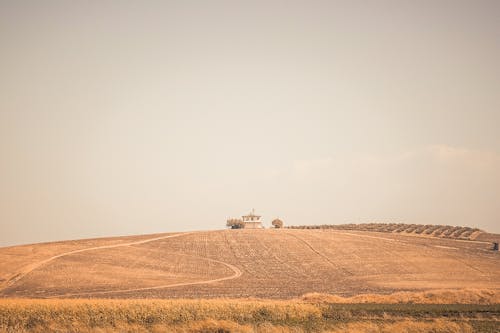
(235,224)
(312,313)
(277,223)
(443,231)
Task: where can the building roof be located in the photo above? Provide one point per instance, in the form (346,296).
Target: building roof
(252,213)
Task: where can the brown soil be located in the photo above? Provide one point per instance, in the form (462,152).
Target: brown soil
(270,263)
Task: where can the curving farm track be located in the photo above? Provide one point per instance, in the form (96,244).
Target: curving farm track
(17,276)
(236,270)
(33,266)
(247,263)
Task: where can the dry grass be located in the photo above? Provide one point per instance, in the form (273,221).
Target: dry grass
(406,326)
(466,296)
(148,315)
(219,316)
(221,326)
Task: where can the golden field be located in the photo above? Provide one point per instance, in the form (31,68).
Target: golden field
(312,313)
(271,264)
(289,280)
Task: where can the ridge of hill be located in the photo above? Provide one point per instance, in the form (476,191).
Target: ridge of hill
(442,231)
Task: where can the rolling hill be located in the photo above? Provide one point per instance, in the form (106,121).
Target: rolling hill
(278,263)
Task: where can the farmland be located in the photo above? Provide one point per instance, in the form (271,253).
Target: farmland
(279,280)
(241,316)
(442,231)
(271,264)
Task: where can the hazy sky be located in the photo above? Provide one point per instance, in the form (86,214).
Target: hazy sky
(132,117)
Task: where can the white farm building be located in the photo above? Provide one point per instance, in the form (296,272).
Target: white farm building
(249,221)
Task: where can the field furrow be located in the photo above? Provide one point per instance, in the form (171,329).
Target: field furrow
(251,263)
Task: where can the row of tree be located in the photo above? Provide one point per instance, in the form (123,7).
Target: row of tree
(239,224)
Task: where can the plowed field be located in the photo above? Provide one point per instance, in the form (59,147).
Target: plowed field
(282,263)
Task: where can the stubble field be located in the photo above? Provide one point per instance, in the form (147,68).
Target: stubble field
(277,264)
(288,280)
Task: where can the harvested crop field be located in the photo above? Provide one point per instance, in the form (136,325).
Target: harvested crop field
(280,264)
